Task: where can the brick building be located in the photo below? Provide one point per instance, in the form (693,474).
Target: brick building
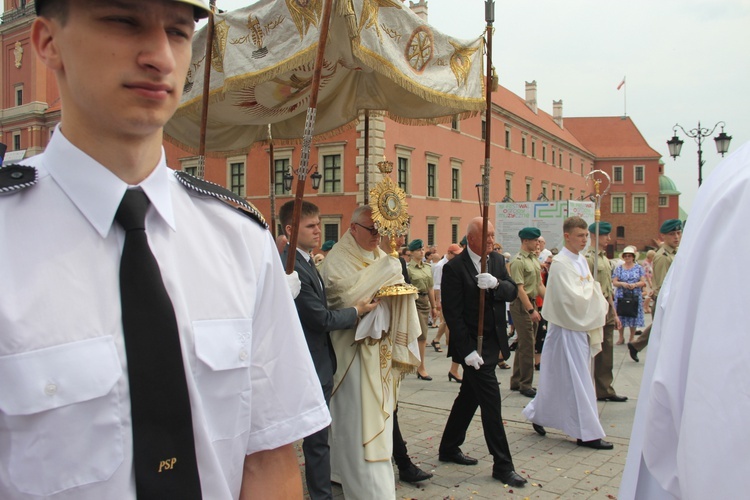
(533,155)
(640,196)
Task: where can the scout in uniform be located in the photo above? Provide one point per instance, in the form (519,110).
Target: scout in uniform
(526,271)
(603,362)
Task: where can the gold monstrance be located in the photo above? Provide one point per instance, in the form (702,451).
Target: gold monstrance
(391,218)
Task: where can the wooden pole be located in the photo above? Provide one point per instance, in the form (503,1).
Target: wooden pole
(271,181)
(205,96)
(367,158)
(307,138)
(489,14)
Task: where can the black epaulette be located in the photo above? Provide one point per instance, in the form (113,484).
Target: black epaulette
(14,178)
(225,195)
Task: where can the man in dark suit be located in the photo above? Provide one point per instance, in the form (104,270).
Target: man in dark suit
(317,321)
(461,285)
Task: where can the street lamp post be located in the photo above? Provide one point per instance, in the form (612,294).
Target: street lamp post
(699,134)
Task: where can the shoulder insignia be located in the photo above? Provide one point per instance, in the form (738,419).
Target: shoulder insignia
(222,193)
(15,178)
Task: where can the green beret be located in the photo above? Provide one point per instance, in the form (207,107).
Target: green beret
(604,228)
(671,225)
(415,245)
(463,242)
(327,245)
(529,233)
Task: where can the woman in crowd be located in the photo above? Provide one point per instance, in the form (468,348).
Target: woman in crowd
(629,278)
(420,273)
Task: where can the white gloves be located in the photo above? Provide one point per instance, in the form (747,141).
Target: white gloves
(486,281)
(295,285)
(474,359)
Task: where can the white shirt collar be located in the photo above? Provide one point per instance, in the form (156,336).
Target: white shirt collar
(304,254)
(95,190)
(474,258)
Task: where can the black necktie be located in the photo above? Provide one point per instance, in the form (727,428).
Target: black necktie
(315,273)
(163,443)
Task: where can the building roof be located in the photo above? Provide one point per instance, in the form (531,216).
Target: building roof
(516,105)
(611,137)
(667,186)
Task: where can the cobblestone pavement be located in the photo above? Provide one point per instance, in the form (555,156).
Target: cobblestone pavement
(554,465)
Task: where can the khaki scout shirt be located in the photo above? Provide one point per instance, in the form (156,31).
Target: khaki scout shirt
(662,261)
(421,276)
(604,271)
(526,270)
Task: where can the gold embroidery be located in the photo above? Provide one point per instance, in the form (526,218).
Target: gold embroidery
(461,62)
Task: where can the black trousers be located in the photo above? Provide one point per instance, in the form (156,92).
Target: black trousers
(317,453)
(400,454)
(478,390)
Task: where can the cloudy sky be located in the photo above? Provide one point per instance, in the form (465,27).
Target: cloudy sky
(684,60)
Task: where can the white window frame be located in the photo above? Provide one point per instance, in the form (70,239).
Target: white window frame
(233,160)
(614,197)
(635,174)
(645,203)
(621,169)
(332,149)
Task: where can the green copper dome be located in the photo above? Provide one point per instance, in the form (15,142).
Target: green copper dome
(667,186)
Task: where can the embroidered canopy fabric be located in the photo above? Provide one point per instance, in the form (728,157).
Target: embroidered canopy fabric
(379,56)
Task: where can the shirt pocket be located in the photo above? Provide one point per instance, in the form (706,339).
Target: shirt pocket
(60,406)
(224,349)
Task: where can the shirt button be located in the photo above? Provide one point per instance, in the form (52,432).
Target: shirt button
(243,355)
(50,389)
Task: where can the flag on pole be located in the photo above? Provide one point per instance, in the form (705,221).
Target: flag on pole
(621,83)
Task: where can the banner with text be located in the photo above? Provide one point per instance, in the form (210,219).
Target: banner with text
(548,216)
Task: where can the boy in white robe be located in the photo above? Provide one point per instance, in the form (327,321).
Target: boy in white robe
(575,309)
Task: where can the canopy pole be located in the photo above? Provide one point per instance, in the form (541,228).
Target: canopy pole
(489,15)
(367,158)
(271,181)
(204,97)
(307,138)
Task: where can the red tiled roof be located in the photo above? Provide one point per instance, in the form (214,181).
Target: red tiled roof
(516,105)
(611,137)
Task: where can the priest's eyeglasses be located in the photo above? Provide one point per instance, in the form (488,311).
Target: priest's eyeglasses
(373,230)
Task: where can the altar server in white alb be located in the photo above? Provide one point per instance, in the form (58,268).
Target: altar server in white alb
(575,309)
(690,435)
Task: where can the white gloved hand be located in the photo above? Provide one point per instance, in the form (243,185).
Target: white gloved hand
(295,285)
(486,281)
(474,360)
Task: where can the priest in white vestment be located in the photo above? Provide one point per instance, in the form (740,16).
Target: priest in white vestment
(371,360)
(575,309)
(690,435)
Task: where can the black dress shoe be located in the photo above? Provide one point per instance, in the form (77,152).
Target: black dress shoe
(458,458)
(413,474)
(424,377)
(451,376)
(633,352)
(539,429)
(511,478)
(615,398)
(597,444)
(529,393)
